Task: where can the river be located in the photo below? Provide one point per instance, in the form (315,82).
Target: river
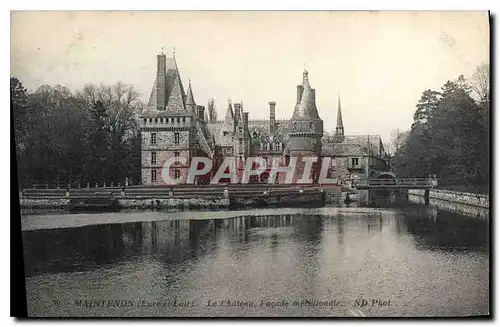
(411,261)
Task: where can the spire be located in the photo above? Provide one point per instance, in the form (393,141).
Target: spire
(229,112)
(339,130)
(190,97)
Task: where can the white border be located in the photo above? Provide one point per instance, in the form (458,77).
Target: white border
(191,5)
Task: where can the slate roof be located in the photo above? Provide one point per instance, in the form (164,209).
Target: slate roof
(306,108)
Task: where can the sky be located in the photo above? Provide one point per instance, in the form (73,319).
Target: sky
(378,63)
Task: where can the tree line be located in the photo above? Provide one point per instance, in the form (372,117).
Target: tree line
(449,136)
(90,135)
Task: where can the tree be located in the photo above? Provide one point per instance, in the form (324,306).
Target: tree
(114,110)
(88,136)
(19,104)
(426,106)
(480,82)
(449,137)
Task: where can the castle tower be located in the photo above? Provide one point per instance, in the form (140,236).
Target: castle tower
(169,127)
(305,128)
(339,130)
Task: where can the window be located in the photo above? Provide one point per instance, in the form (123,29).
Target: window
(183,119)
(355,161)
(311,125)
(176,155)
(153,158)
(153,138)
(271,147)
(161,120)
(176,138)
(240,130)
(177,173)
(178,120)
(254,135)
(156,120)
(241,142)
(153,175)
(145,120)
(225,133)
(150,120)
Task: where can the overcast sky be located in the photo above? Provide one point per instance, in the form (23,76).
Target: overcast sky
(378,62)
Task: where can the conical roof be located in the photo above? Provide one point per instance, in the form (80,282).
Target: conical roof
(175,90)
(152,99)
(229,112)
(306,108)
(190,97)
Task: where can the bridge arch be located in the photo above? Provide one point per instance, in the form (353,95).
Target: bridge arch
(385,175)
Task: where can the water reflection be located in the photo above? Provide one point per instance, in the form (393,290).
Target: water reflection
(433,228)
(337,253)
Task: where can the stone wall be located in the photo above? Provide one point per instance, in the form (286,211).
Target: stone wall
(186,203)
(133,202)
(478,200)
(468,210)
(45,202)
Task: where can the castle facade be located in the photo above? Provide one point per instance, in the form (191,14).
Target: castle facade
(174,127)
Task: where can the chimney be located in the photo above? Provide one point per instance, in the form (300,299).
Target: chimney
(160,82)
(272,116)
(245,123)
(201,112)
(237,112)
(300,89)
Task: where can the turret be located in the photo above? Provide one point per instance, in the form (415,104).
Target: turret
(305,128)
(190,103)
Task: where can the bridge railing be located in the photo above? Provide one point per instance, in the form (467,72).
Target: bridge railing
(406,182)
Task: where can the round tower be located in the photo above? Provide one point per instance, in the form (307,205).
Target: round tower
(305,128)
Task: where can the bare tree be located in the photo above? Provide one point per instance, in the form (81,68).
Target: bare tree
(480,82)
(398,139)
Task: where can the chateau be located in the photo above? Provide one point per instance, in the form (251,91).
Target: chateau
(174,126)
